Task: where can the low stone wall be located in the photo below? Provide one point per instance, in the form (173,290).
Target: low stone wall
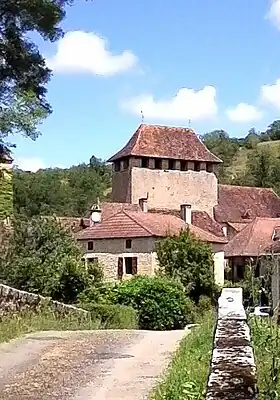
(14,301)
(233,371)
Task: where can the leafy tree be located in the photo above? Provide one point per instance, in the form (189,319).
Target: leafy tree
(23,70)
(160,302)
(190,260)
(64,192)
(273,130)
(252,139)
(44,258)
(220,144)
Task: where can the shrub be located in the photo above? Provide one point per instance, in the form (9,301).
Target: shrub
(189,259)
(204,304)
(113,316)
(160,302)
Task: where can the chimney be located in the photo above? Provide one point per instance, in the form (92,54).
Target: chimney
(95,215)
(143,203)
(225,230)
(186,213)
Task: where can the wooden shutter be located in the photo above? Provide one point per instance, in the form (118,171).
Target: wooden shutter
(134,265)
(120,268)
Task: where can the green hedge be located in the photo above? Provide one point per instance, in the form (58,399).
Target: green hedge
(160,302)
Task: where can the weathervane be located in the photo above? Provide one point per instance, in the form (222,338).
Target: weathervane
(142,116)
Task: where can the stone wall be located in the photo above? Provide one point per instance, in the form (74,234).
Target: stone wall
(171,188)
(14,301)
(233,370)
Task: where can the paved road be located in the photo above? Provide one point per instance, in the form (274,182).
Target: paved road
(95,365)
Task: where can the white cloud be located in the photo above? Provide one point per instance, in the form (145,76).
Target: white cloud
(271,94)
(29,164)
(186,104)
(244,112)
(80,51)
(274,13)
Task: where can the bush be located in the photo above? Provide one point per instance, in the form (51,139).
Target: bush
(160,302)
(204,304)
(113,316)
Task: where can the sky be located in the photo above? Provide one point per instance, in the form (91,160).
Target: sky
(199,63)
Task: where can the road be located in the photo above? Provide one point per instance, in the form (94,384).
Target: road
(83,365)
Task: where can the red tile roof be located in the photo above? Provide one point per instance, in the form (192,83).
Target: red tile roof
(238,226)
(201,219)
(254,239)
(241,203)
(166,142)
(128,224)
(109,208)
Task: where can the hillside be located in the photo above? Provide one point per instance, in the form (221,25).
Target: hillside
(238,165)
(64,192)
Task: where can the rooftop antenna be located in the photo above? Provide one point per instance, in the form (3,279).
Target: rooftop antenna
(142,116)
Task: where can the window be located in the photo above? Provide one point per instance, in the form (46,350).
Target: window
(197,166)
(144,162)
(93,260)
(125,163)
(183,165)
(209,167)
(158,163)
(117,166)
(171,164)
(120,268)
(131,265)
(90,245)
(128,243)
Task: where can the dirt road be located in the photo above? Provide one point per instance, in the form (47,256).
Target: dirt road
(95,365)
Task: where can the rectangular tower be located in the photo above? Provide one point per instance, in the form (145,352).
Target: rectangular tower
(170,165)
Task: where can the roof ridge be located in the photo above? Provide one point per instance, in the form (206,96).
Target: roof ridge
(247,187)
(137,222)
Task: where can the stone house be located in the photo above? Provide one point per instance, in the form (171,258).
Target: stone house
(125,242)
(157,173)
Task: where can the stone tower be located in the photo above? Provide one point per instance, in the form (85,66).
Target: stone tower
(169,165)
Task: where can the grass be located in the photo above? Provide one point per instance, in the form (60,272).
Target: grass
(186,378)
(265,336)
(20,324)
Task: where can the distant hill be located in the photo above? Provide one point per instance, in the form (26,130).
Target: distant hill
(63,192)
(238,164)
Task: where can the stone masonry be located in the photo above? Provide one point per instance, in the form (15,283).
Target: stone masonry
(14,301)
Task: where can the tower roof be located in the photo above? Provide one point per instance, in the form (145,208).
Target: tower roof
(166,142)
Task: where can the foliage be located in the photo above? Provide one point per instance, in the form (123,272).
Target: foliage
(113,315)
(64,192)
(23,70)
(188,259)
(265,337)
(6,194)
(44,258)
(160,302)
(186,378)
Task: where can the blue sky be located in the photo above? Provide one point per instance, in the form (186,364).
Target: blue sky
(214,62)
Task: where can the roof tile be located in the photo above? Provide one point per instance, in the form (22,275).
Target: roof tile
(166,142)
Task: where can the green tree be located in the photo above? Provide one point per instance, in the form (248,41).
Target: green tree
(273,130)
(44,258)
(190,260)
(224,147)
(64,192)
(23,70)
